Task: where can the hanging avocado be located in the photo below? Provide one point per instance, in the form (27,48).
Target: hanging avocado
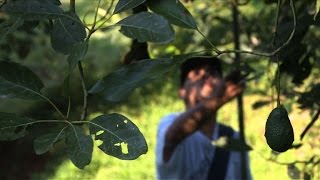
(279,131)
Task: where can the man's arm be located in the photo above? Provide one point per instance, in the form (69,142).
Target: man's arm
(191,120)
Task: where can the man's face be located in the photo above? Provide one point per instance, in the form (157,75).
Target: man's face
(200,84)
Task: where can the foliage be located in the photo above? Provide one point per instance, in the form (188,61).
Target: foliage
(292,48)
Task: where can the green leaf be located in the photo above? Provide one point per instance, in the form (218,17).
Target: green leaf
(146,26)
(79,146)
(174,11)
(43,143)
(118,85)
(17,81)
(121,138)
(231,144)
(13,127)
(32,9)
(78,51)
(66,32)
(124,5)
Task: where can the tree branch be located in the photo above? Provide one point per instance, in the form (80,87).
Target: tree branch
(314,119)
(85,92)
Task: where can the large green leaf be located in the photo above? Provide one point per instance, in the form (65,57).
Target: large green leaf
(124,5)
(146,26)
(43,143)
(79,146)
(118,85)
(32,9)
(66,32)
(17,81)
(78,51)
(174,11)
(121,138)
(13,127)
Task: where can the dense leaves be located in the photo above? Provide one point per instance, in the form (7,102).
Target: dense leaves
(124,5)
(17,81)
(79,146)
(121,138)
(174,11)
(118,85)
(146,26)
(32,9)
(13,127)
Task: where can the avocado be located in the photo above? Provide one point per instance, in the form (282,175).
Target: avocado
(279,132)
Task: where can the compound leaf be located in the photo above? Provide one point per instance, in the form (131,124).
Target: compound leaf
(146,26)
(43,143)
(66,32)
(118,85)
(13,127)
(174,12)
(121,138)
(79,146)
(32,9)
(124,5)
(17,81)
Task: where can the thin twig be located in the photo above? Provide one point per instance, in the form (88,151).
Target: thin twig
(69,107)
(211,44)
(85,92)
(53,105)
(314,119)
(274,43)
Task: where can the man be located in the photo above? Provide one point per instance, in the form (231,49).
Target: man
(184,149)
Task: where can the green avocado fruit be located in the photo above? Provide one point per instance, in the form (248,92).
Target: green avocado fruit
(279,132)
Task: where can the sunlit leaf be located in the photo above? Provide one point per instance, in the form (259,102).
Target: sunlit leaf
(79,146)
(13,127)
(231,144)
(78,51)
(174,11)
(146,26)
(124,5)
(43,143)
(120,137)
(118,85)
(17,81)
(67,32)
(32,9)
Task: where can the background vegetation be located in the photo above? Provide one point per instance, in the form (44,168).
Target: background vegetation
(149,103)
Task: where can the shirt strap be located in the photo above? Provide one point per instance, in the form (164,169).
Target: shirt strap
(219,164)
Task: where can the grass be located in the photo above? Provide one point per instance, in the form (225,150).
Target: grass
(146,117)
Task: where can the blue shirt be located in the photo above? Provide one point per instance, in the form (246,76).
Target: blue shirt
(192,158)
